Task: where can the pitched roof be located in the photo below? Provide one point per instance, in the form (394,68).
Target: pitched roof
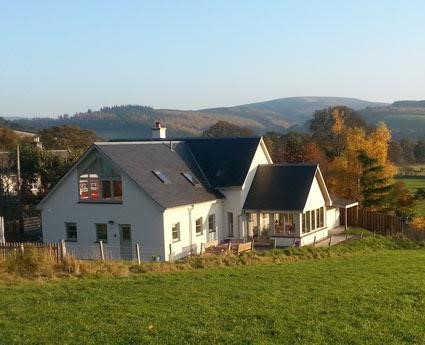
(139,160)
(280,187)
(224,161)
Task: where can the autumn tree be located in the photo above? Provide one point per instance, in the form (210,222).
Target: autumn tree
(66,137)
(401,200)
(322,128)
(227,129)
(8,139)
(346,169)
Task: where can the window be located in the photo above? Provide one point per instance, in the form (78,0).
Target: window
(71,232)
(161,176)
(313,219)
(284,224)
(230,223)
(198,226)
(102,232)
(321,217)
(220,172)
(304,224)
(193,180)
(176,232)
(99,182)
(211,223)
(307,221)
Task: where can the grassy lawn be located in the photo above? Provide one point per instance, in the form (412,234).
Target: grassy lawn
(412,184)
(370,297)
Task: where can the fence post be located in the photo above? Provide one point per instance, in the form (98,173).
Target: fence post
(102,253)
(274,243)
(252,245)
(22,248)
(202,248)
(361,235)
(330,240)
(314,241)
(138,252)
(229,246)
(62,250)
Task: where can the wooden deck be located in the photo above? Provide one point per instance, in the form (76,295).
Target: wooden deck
(229,248)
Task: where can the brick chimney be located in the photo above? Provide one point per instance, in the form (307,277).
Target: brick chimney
(158,132)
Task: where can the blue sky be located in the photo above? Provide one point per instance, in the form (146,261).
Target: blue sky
(61,57)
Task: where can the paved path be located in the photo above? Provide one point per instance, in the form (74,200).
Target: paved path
(338,236)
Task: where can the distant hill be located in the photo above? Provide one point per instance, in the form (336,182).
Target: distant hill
(297,110)
(131,121)
(405,118)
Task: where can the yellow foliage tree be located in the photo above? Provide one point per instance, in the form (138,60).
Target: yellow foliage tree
(346,170)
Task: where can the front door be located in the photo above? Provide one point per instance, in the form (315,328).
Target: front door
(125,242)
(212,228)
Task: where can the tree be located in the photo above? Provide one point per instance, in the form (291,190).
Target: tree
(375,187)
(408,146)
(419,151)
(322,127)
(401,200)
(345,170)
(39,164)
(395,152)
(227,129)
(71,138)
(8,139)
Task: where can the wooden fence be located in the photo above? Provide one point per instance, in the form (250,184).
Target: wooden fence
(51,249)
(381,223)
(385,224)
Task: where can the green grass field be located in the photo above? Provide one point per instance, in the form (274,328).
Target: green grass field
(374,296)
(413,184)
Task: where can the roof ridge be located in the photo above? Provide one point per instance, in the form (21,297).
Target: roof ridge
(291,164)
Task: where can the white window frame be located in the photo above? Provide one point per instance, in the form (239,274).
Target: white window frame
(175,225)
(201,225)
(214,227)
(230,224)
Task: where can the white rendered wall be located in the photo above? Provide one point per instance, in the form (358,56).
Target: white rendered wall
(186,216)
(235,196)
(315,197)
(332,217)
(137,209)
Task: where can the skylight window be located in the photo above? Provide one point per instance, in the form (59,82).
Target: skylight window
(161,176)
(220,172)
(192,179)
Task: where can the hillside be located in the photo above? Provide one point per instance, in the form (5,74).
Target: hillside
(132,121)
(406,119)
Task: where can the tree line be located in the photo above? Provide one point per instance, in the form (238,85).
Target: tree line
(353,156)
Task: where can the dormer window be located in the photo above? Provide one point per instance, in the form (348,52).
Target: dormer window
(192,179)
(100,183)
(161,176)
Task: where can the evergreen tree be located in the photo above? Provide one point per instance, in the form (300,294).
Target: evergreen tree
(375,187)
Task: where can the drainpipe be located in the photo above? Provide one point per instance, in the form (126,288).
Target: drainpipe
(190,227)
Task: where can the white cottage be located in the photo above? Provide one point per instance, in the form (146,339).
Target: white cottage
(172,195)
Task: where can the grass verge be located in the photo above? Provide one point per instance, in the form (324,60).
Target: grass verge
(364,292)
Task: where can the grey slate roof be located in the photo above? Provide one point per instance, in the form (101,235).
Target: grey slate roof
(280,187)
(224,161)
(138,160)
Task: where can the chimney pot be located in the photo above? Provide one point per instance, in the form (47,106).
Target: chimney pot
(158,132)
